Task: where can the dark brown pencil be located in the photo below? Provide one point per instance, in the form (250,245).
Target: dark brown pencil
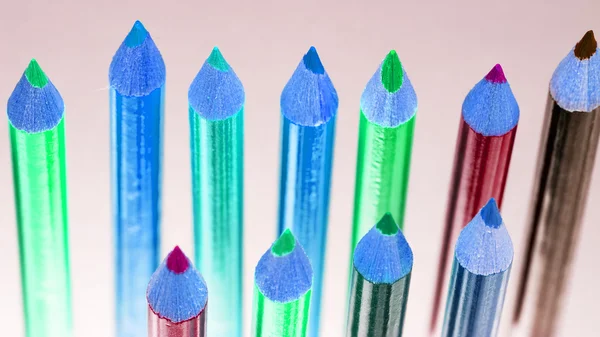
(565,164)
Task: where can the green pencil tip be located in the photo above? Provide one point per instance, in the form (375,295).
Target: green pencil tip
(391,72)
(35,75)
(285,244)
(387,225)
(217,60)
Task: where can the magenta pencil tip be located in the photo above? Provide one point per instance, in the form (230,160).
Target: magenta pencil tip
(177,262)
(496,75)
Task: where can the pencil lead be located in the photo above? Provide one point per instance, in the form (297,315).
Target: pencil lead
(284,244)
(392,72)
(312,61)
(35,75)
(137,35)
(217,60)
(177,262)
(387,225)
(496,75)
(491,215)
(586,47)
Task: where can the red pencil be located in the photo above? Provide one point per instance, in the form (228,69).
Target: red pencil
(488,126)
(177,298)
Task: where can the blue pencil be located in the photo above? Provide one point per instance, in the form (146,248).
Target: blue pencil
(309,106)
(177,299)
(137,78)
(482,260)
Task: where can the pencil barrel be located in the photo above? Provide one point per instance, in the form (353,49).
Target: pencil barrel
(479,173)
(136,149)
(474,303)
(160,327)
(306,163)
(217,192)
(376,310)
(564,169)
(382,172)
(289,319)
(40,187)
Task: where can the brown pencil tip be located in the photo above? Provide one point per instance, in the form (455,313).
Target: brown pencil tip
(586,47)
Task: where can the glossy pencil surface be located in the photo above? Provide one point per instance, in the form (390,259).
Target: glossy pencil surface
(565,165)
(488,127)
(386,127)
(37,137)
(282,290)
(137,77)
(216,99)
(482,261)
(177,299)
(308,110)
(380,282)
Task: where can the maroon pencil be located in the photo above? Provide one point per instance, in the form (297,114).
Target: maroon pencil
(488,126)
(177,299)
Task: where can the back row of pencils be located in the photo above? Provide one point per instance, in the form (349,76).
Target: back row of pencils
(289,276)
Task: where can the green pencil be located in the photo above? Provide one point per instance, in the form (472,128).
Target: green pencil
(282,289)
(387,120)
(216,115)
(37,137)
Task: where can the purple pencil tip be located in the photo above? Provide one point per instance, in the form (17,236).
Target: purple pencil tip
(177,262)
(496,75)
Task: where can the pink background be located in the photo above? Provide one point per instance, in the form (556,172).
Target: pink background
(446,48)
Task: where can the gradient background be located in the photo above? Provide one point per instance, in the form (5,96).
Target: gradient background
(446,48)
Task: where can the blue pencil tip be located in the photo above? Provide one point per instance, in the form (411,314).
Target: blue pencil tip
(312,61)
(137,35)
(484,246)
(491,215)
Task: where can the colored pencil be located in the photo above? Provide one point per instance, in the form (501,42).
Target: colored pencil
(177,299)
(309,106)
(137,78)
(216,113)
(482,260)
(380,282)
(282,290)
(488,127)
(37,137)
(387,120)
(565,166)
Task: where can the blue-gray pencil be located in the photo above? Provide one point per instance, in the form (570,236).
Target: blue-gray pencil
(482,260)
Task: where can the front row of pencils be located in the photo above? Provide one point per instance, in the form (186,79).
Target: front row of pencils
(177,294)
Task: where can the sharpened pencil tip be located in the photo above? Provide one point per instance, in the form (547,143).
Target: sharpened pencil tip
(586,47)
(312,61)
(217,61)
(137,35)
(391,72)
(284,244)
(496,75)
(491,215)
(387,225)
(35,75)
(177,262)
